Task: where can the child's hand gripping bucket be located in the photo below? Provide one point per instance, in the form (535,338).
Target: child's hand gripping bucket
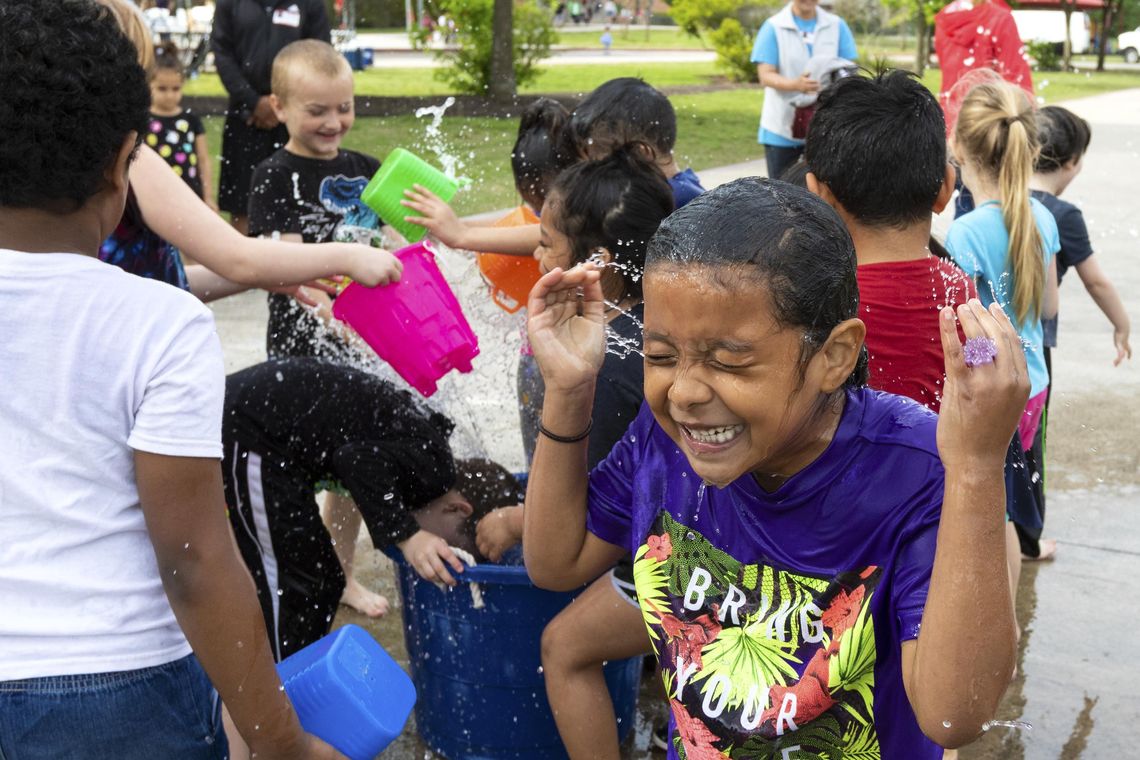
(398,173)
(416,324)
(349,692)
(511,277)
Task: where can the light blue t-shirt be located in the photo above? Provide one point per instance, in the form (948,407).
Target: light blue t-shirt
(767,50)
(979,243)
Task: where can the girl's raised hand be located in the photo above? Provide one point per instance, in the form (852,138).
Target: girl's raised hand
(981,404)
(435,215)
(567,327)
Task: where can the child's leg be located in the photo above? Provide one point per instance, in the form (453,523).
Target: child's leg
(286,547)
(600,625)
(342,519)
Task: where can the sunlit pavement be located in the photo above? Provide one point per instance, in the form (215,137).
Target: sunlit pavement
(1078,686)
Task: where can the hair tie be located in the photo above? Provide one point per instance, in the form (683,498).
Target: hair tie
(1010,120)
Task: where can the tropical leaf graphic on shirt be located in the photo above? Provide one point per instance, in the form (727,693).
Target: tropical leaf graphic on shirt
(820,739)
(860,743)
(691,550)
(748,658)
(853,666)
(652,582)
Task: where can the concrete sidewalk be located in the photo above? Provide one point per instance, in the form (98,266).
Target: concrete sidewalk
(1077,683)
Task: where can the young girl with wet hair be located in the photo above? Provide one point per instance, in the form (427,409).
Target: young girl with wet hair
(604,211)
(820,566)
(537,156)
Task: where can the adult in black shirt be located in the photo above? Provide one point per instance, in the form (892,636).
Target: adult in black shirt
(246,36)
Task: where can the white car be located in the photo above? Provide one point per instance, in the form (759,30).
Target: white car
(1129,45)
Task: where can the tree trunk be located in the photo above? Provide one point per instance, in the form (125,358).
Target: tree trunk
(921,55)
(1067,46)
(1107,20)
(502,87)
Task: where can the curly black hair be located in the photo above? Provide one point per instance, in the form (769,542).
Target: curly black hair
(71,90)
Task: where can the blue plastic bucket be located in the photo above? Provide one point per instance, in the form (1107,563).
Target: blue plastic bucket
(349,692)
(478,671)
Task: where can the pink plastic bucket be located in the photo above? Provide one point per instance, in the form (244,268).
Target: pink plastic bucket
(415,325)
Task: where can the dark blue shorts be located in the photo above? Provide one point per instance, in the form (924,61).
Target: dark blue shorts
(168,711)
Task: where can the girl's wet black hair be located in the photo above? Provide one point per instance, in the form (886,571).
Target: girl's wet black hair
(71,90)
(783,236)
(538,154)
(622,111)
(167,58)
(615,203)
(1064,137)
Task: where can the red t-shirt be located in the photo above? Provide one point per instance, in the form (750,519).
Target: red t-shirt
(899,302)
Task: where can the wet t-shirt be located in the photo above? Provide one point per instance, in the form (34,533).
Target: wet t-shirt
(173,137)
(778,618)
(900,301)
(318,199)
(327,422)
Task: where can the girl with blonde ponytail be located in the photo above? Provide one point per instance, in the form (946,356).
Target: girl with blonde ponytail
(1008,242)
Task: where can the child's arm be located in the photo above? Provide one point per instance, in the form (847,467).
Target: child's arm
(567,333)
(1051,297)
(957,669)
(202,574)
(172,210)
(205,170)
(1108,300)
(499,530)
(441,221)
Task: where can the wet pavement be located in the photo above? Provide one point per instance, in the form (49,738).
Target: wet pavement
(1078,681)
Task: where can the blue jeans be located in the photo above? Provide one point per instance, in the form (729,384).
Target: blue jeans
(779,158)
(168,711)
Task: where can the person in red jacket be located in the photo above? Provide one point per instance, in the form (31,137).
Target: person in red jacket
(970,35)
(976,41)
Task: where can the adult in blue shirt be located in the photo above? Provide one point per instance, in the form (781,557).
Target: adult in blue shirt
(786,42)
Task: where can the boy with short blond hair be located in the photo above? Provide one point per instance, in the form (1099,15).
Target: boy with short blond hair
(309,190)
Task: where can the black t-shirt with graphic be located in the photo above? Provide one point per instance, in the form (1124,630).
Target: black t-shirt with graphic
(318,199)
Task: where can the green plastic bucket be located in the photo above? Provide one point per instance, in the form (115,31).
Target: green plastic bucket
(399,172)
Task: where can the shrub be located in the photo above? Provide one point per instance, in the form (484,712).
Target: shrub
(468,67)
(734,51)
(1045,54)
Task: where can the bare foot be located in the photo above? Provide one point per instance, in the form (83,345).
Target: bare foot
(362,600)
(1048,550)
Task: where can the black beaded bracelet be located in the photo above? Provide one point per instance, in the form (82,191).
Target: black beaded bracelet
(567,439)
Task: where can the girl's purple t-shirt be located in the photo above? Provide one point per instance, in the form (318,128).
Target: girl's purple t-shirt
(778,617)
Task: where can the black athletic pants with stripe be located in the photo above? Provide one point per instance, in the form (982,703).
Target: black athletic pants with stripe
(286,547)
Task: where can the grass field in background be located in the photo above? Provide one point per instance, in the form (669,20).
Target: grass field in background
(714,128)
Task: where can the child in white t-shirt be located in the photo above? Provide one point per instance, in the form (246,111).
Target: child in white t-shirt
(115,552)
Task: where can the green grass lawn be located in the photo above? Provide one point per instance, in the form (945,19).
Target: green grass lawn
(632,38)
(714,128)
(552,78)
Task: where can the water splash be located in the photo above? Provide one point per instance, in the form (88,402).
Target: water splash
(436,142)
(1014,725)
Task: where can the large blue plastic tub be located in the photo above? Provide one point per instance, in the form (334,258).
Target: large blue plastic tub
(348,691)
(478,671)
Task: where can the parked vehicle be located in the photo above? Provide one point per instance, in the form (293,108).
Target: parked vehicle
(1128,44)
(1049,26)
